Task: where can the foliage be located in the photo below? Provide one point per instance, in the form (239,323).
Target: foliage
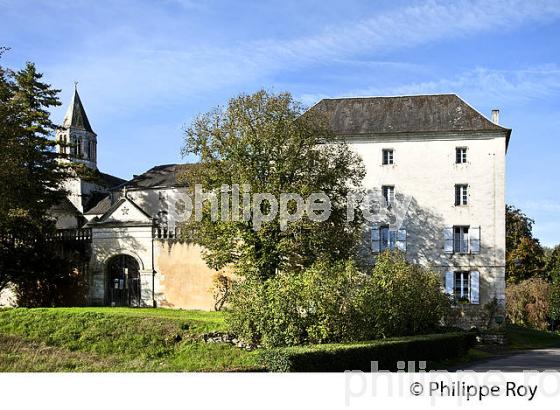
(358,356)
(30,175)
(553,262)
(221,290)
(57,284)
(406,299)
(524,254)
(554,296)
(527,303)
(266,141)
(317,305)
(334,302)
(115,339)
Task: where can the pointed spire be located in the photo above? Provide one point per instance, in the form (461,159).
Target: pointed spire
(76,115)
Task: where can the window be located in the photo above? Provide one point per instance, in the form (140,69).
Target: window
(73,146)
(388,194)
(461,155)
(388,239)
(384,237)
(461,288)
(463,285)
(461,195)
(388,158)
(462,239)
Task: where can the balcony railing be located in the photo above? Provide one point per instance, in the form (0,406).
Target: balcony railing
(166,233)
(82,235)
(61,235)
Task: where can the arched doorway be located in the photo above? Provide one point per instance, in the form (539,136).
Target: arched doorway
(123,281)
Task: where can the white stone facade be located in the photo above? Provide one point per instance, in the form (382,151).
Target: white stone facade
(424,175)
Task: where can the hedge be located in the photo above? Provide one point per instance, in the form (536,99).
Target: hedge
(358,356)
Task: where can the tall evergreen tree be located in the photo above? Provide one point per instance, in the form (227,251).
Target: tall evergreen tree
(30,175)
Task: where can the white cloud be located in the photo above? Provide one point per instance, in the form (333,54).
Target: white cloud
(139,69)
(478,86)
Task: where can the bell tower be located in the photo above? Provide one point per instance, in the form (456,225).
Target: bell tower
(76,137)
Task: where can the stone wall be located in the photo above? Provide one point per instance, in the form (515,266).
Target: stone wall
(183,279)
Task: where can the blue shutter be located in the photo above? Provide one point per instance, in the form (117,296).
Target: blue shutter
(375,242)
(474,239)
(475,287)
(449,279)
(401,240)
(448,240)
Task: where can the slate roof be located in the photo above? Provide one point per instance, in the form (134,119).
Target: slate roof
(76,115)
(100,205)
(109,181)
(158,176)
(416,113)
(65,206)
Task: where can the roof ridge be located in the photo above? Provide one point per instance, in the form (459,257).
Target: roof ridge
(366,97)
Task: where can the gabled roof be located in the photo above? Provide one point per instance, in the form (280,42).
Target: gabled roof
(415,113)
(158,176)
(106,216)
(76,115)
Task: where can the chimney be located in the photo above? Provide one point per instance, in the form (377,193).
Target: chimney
(496,116)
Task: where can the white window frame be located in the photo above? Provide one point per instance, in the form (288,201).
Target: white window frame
(469,286)
(388,192)
(388,156)
(461,155)
(461,194)
(462,239)
(464,285)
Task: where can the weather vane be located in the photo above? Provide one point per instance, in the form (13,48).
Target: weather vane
(75,85)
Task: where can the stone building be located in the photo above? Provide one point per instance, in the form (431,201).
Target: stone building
(439,168)
(436,163)
(134,257)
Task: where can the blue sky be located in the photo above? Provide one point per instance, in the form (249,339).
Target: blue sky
(146,68)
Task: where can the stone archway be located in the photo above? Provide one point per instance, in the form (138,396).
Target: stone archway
(123,281)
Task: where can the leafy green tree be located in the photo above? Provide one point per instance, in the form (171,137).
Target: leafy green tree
(553,261)
(553,269)
(525,256)
(267,142)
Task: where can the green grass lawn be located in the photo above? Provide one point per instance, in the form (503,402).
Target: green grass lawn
(115,339)
(523,338)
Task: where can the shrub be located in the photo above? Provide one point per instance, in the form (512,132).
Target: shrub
(527,303)
(336,303)
(404,299)
(317,305)
(358,356)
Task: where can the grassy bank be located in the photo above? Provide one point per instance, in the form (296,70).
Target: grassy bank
(125,339)
(115,339)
